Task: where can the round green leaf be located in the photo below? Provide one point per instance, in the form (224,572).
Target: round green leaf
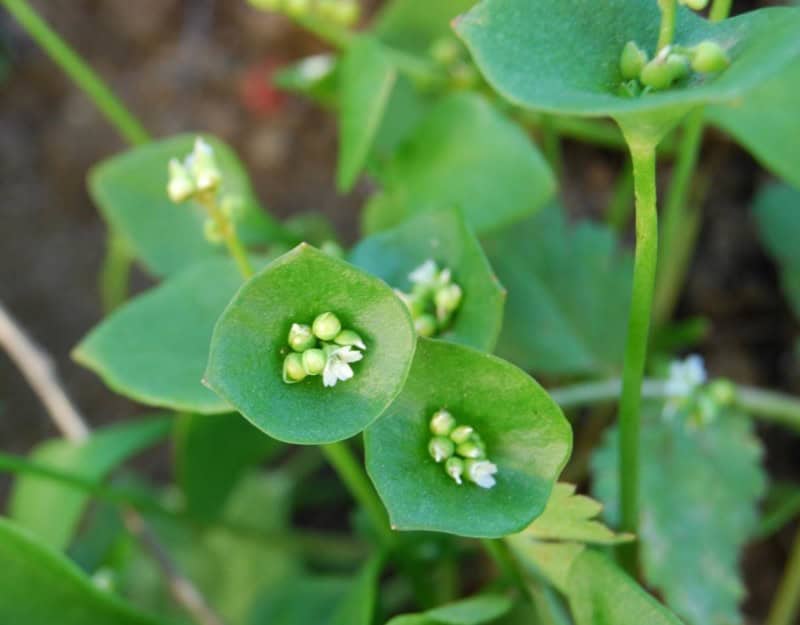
(526,436)
(563,56)
(441,236)
(249,344)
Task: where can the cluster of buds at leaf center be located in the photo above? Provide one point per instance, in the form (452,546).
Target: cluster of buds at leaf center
(322,348)
(461,449)
(689,395)
(434,298)
(198,177)
(341,12)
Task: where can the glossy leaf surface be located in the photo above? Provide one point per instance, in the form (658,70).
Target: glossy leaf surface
(154,349)
(699,490)
(441,236)
(472,611)
(51,510)
(525,433)
(131,191)
(568,293)
(465,154)
(249,345)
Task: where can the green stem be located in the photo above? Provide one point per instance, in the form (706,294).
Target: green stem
(666,33)
(507,563)
(115,273)
(720,10)
(114,111)
(621,204)
(551,144)
(643,156)
(352,474)
(226,228)
(786,604)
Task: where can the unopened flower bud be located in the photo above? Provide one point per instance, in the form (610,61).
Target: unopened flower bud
(440,448)
(232,206)
(481,472)
(425,325)
(632,61)
(461,434)
(722,391)
(471,449)
(212,232)
(180,186)
(678,64)
(301,337)
(445,51)
(348,337)
(709,57)
(332,248)
(697,5)
(657,74)
(447,300)
(293,370)
(203,166)
(314,361)
(326,326)
(464,75)
(442,423)
(297,8)
(455,468)
(346,12)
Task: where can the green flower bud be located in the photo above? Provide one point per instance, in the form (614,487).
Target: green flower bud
(471,449)
(326,326)
(314,361)
(709,57)
(461,434)
(632,61)
(440,448)
(447,300)
(232,206)
(211,231)
(332,248)
(203,166)
(301,338)
(464,76)
(414,304)
(722,391)
(346,12)
(706,410)
(297,8)
(455,468)
(348,337)
(657,74)
(293,370)
(442,423)
(678,64)
(425,325)
(697,5)
(180,186)
(445,51)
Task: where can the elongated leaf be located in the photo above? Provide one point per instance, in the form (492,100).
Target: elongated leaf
(525,434)
(699,490)
(568,293)
(367,80)
(358,604)
(40,587)
(415,25)
(211,453)
(777,212)
(300,601)
(316,77)
(473,611)
(50,510)
(441,236)
(154,349)
(764,118)
(131,192)
(563,56)
(250,343)
(466,154)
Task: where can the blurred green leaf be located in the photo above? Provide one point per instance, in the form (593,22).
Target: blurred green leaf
(51,510)
(441,236)
(212,452)
(316,77)
(154,349)
(302,600)
(367,80)
(568,293)
(699,490)
(131,191)
(414,25)
(475,610)
(250,342)
(40,587)
(358,604)
(525,433)
(465,154)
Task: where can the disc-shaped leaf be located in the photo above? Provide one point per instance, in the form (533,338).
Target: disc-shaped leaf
(250,343)
(466,154)
(563,56)
(441,236)
(699,490)
(154,349)
(765,121)
(131,191)
(525,434)
(568,292)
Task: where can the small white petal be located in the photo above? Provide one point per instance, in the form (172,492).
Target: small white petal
(425,273)
(482,473)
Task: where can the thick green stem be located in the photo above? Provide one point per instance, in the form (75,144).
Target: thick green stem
(786,605)
(720,10)
(352,474)
(115,273)
(666,33)
(643,156)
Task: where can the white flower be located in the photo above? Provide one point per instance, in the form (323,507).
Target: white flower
(338,365)
(316,67)
(424,274)
(482,472)
(685,376)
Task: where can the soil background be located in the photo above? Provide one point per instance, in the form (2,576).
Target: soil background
(187,65)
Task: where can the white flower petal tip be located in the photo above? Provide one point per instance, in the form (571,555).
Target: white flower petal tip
(482,472)
(425,273)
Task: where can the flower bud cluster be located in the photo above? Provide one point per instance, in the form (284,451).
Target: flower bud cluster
(198,177)
(461,449)
(672,64)
(688,393)
(434,298)
(341,12)
(451,55)
(322,348)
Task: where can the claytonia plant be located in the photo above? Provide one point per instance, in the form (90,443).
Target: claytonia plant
(434,298)
(461,449)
